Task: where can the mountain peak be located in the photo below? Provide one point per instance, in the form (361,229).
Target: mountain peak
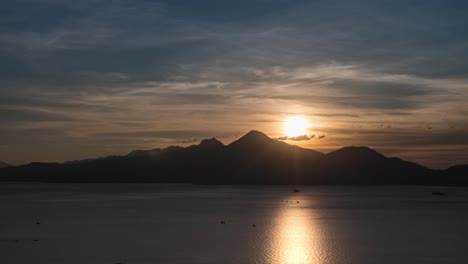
(211,143)
(252,137)
(255,135)
(355,152)
(254,159)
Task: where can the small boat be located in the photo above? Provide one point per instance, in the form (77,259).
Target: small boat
(438,193)
(296,190)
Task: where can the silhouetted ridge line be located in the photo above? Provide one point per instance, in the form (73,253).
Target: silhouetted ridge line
(252,159)
(252,137)
(353,150)
(211,143)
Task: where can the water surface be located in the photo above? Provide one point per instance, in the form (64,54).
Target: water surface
(143,224)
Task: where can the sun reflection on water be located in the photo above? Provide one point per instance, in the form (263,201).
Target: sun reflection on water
(297,239)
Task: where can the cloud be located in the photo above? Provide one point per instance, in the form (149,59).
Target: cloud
(299,138)
(189,141)
(296,138)
(119,73)
(170,134)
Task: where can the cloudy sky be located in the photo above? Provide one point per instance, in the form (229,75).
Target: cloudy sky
(90,78)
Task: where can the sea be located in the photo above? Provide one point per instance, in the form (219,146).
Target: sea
(151,223)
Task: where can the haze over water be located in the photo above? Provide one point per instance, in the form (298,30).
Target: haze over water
(142,224)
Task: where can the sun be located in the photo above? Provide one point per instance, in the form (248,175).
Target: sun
(295,126)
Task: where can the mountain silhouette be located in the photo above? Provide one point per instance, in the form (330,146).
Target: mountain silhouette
(3,165)
(212,143)
(252,159)
(362,165)
(252,138)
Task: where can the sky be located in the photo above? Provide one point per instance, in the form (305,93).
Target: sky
(91,78)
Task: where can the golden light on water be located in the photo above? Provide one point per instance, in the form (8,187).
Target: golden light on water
(295,126)
(297,239)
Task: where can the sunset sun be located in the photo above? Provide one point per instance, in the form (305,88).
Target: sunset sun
(295,126)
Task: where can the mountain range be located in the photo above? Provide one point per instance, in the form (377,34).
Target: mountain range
(253,159)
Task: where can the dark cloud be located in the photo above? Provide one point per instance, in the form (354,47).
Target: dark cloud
(189,141)
(242,11)
(188,98)
(8,116)
(379,89)
(159,39)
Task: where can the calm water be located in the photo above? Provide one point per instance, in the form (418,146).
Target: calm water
(139,224)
